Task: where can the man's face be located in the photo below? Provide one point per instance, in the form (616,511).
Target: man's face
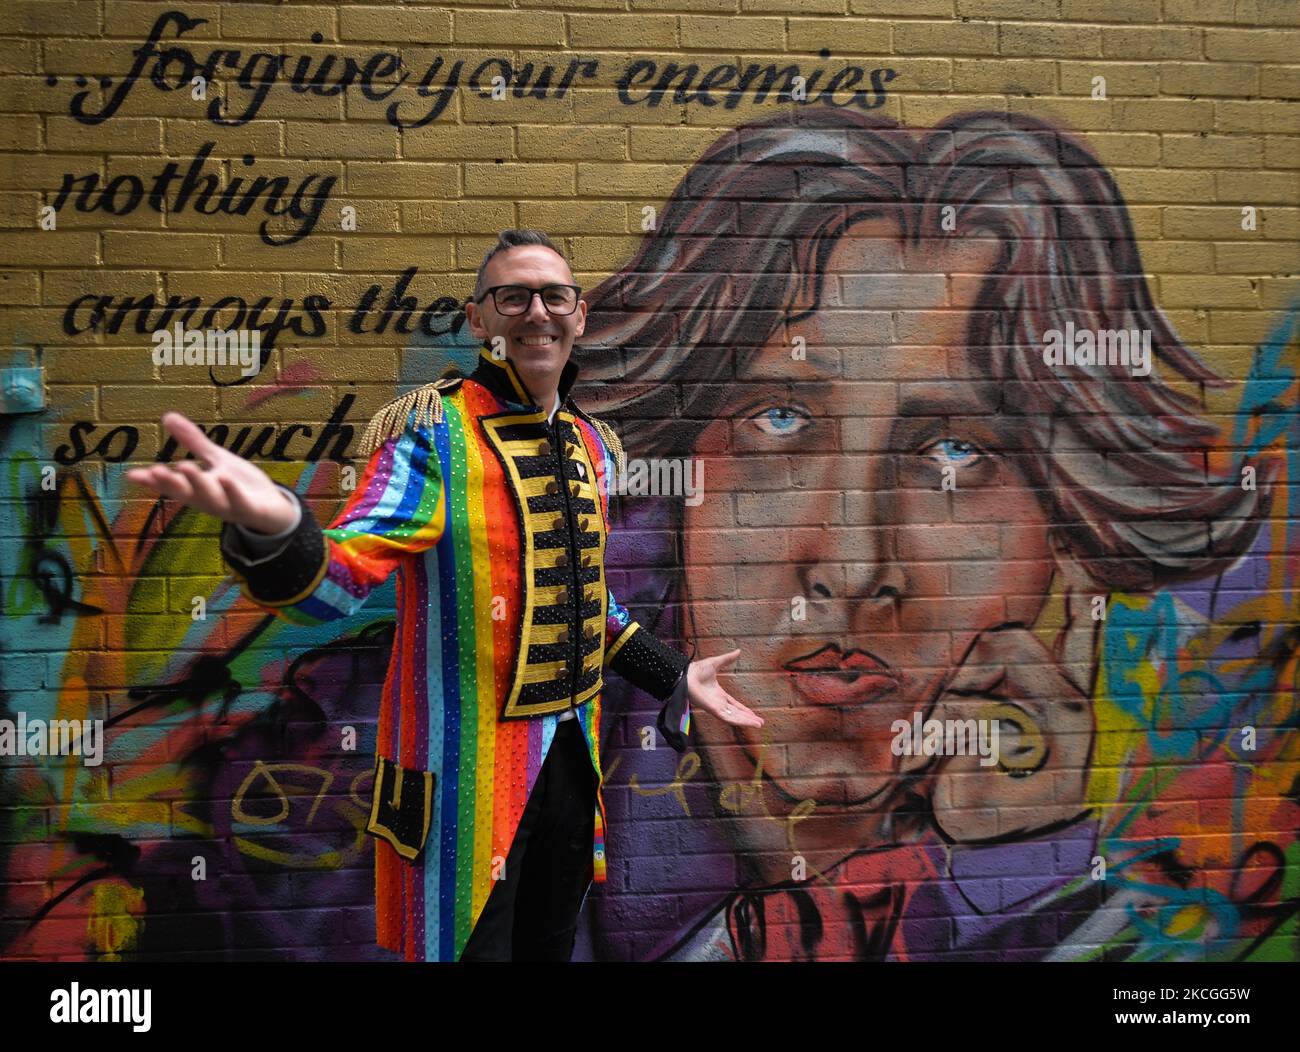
(537,342)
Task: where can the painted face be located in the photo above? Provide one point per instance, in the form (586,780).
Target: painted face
(869,517)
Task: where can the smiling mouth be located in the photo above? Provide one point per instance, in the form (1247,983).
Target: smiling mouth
(538,341)
(830,676)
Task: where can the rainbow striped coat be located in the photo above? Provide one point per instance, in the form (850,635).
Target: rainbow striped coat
(496,523)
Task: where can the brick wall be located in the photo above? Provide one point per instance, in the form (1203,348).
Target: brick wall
(826,243)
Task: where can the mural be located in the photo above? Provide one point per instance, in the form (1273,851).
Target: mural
(909,514)
(1099,576)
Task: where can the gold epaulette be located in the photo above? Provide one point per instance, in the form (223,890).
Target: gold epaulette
(392,418)
(612,443)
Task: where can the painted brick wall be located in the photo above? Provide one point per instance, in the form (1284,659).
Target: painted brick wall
(826,243)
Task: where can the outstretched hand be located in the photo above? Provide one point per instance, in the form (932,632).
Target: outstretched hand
(706,692)
(218,482)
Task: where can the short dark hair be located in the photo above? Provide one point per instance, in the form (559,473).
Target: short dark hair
(512,238)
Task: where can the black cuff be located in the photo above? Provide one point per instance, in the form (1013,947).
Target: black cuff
(670,716)
(647,663)
(288,576)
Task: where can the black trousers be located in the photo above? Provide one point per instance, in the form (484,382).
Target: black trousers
(532,912)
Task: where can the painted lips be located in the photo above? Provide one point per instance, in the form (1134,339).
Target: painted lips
(831,676)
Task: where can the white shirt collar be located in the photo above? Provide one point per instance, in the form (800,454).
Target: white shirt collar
(556,409)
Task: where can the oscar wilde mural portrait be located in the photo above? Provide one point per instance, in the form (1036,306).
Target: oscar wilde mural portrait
(835,316)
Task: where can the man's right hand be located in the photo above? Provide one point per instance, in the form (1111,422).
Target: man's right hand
(218,482)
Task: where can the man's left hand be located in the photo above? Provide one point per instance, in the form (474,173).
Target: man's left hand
(706,692)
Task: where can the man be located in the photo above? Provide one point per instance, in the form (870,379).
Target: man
(487,494)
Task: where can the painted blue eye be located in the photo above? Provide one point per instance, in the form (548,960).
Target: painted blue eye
(780,420)
(954,451)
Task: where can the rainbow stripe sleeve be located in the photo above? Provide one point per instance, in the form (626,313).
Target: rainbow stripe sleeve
(398,509)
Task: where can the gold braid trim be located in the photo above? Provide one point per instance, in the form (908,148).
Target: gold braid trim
(391,420)
(612,443)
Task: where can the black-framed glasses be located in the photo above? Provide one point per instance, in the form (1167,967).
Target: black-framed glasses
(516,299)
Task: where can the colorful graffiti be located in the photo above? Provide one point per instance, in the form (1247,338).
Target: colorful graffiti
(836,315)
(227,816)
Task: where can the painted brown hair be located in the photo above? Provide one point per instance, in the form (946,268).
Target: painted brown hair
(740,251)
